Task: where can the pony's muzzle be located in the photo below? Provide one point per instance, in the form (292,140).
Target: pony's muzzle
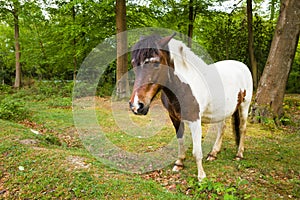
(139,108)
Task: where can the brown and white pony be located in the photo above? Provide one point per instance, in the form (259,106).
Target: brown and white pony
(191,91)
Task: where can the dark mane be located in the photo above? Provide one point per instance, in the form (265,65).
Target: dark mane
(145,48)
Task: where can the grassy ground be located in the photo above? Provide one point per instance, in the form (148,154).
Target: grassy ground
(42,157)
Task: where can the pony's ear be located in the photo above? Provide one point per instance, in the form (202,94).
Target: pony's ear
(164,41)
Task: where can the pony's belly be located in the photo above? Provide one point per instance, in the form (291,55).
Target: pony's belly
(217,114)
(213,119)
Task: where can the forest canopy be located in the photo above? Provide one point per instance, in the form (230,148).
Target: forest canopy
(56,36)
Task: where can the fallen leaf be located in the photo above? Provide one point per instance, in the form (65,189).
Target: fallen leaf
(35,132)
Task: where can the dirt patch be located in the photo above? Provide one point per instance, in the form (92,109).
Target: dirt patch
(30,142)
(69,136)
(103,102)
(77,162)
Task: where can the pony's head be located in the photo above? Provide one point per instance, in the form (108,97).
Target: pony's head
(151,62)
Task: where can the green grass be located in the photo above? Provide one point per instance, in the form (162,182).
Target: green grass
(55,164)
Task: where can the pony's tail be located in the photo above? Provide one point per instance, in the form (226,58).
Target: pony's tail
(236,126)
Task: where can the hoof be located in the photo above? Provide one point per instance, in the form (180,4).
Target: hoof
(238,158)
(177,168)
(211,157)
(200,178)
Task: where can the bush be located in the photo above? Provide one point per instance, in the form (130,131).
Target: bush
(13,109)
(54,88)
(42,90)
(5,89)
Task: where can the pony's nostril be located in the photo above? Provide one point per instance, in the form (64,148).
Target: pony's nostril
(141,105)
(138,108)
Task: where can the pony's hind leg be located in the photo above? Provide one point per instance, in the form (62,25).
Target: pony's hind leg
(217,146)
(179,127)
(239,122)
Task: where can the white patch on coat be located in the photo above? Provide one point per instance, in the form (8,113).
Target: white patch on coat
(215,86)
(135,104)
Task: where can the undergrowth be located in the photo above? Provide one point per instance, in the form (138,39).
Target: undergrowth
(13,109)
(13,102)
(212,189)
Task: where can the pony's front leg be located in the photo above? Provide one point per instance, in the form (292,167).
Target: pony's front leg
(179,127)
(181,156)
(196,130)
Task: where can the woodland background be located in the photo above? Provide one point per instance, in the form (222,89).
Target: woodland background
(56,36)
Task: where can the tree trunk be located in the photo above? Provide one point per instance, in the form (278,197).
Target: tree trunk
(253,61)
(191,23)
(271,89)
(17,48)
(122,60)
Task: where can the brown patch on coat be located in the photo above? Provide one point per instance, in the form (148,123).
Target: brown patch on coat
(181,50)
(183,56)
(180,101)
(241,97)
